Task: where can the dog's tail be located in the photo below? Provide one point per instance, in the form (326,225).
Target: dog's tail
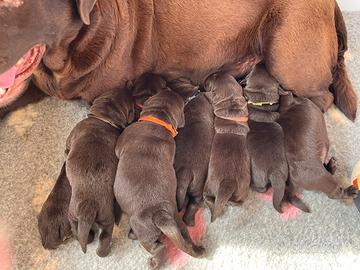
(224,194)
(174,228)
(87,213)
(344,94)
(278,183)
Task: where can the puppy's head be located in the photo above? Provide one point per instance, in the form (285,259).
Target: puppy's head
(261,86)
(115,106)
(226,95)
(286,100)
(184,88)
(167,106)
(146,86)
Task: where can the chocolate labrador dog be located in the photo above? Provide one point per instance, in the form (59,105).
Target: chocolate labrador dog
(265,140)
(306,148)
(56,43)
(147,191)
(91,166)
(193,147)
(229,168)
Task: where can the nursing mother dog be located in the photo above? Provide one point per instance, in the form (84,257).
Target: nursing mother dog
(83,48)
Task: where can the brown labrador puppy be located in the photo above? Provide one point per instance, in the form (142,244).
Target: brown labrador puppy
(91,166)
(306,148)
(265,140)
(193,147)
(229,168)
(53,222)
(145,185)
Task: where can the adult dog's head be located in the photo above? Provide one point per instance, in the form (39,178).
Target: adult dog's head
(29,30)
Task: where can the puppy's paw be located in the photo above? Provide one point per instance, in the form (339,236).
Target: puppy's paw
(351,192)
(103,251)
(331,167)
(54,227)
(155,263)
(199,251)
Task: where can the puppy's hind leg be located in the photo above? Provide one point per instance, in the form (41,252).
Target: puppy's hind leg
(291,197)
(184,178)
(105,240)
(53,223)
(190,213)
(217,205)
(327,184)
(158,252)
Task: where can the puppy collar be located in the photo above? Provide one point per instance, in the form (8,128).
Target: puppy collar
(241,119)
(192,97)
(105,121)
(260,104)
(157,121)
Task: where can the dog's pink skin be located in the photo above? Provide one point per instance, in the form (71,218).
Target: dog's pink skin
(176,257)
(289,211)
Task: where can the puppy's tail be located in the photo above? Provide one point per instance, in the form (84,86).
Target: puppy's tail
(278,183)
(344,94)
(87,212)
(225,192)
(174,228)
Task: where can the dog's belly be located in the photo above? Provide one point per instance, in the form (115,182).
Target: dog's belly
(208,38)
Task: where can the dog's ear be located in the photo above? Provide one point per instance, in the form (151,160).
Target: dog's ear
(84,8)
(131,117)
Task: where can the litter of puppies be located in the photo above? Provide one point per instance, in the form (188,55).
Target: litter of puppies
(174,146)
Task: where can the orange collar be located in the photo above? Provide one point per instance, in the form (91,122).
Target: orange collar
(237,119)
(155,120)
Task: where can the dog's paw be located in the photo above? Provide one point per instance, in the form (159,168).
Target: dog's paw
(199,251)
(155,263)
(351,192)
(331,167)
(54,227)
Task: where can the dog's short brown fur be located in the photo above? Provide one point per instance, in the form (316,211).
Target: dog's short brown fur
(193,147)
(229,168)
(91,166)
(266,138)
(140,36)
(145,185)
(144,87)
(306,148)
(53,222)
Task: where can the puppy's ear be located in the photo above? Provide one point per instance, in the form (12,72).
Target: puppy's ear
(131,117)
(84,8)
